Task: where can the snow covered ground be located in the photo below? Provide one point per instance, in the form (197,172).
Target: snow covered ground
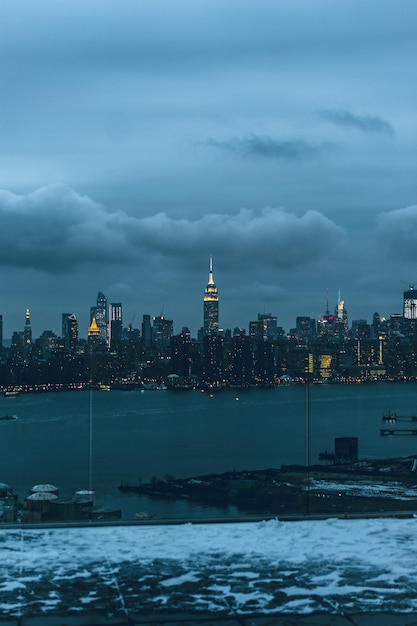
(352,566)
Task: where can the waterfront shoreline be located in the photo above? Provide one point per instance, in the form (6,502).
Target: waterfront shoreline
(350,489)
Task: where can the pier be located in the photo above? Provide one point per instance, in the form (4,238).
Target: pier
(386,432)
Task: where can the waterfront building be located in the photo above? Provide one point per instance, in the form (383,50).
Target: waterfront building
(212,374)
(180,354)
(264,363)
(242,374)
(211,305)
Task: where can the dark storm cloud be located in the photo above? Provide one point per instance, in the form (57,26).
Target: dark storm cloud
(268,148)
(364,123)
(397,234)
(270,236)
(56,230)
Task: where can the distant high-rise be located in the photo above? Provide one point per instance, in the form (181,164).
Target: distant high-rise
(146,330)
(116,324)
(211,305)
(93,333)
(100,313)
(27,332)
(341,319)
(64,326)
(410,303)
(72,332)
(162,331)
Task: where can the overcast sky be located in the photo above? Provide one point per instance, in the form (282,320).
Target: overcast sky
(138,137)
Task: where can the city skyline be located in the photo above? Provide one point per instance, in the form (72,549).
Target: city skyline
(105,313)
(138,139)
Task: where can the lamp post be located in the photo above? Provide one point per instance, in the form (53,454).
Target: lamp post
(307,428)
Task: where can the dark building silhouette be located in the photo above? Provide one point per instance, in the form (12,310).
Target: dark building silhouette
(212,374)
(146,331)
(180,354)
(162,332)
(242,373)
(115,325)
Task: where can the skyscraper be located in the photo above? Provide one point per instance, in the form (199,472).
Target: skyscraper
(410,304)
(27,333)
(100,313)
(72,337)
(211,305)
(70,331)
(341,319)
(116,324)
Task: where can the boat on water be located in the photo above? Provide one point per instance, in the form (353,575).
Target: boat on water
(392,417)
(154,386)
(389,417)
(11,394)
(7,418)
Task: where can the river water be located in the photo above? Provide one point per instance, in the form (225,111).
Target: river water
(141,434)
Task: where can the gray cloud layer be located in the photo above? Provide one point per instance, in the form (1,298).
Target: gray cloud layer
(55,229)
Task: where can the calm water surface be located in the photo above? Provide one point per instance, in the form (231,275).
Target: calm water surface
(159,433)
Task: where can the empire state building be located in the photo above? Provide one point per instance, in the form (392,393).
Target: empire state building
(211,305)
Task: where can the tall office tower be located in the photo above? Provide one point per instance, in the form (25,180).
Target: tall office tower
(242,361)
(305,327)
(162,331)
(211,305)
(410,303)
(64,327)
(72,333)
(256,330)
(325,324)
(180,354)
(1,331)
(93,334)
(341,319)
(146,331)
(270,328)
(213,361)
(116,324)
(101,314)
(27,332)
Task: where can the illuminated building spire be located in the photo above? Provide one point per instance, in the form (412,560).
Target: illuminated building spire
(27,333)
(211,304)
